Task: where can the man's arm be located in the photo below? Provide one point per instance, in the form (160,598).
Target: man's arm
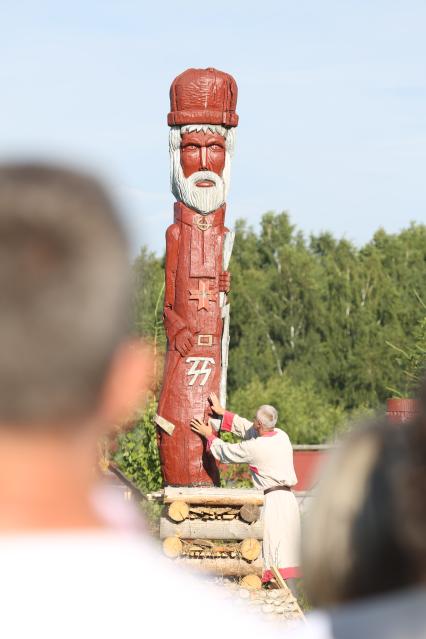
(223,452)
(231,422)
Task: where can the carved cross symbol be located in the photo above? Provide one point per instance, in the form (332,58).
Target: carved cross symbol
(203,295)
(203,370)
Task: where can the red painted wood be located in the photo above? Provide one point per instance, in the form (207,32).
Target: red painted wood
(195,278)
(203,96)
(401,410)
(194,258)
(306,465)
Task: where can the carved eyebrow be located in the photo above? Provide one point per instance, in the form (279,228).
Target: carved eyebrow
(216,143)
(208,142)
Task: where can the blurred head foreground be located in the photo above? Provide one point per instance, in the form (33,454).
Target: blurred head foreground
(64,290)
(67,370)
(366,529)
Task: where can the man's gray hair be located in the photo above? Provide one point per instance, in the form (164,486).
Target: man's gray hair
(64,290)
(267,416)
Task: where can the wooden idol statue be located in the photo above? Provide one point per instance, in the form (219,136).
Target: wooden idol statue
(198,248)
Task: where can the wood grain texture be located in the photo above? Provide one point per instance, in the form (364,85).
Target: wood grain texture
(224,567)
(214,496)
(216,529)
(178,510)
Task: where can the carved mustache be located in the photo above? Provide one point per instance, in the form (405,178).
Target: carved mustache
(205,175)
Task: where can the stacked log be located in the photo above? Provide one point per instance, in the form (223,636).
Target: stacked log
(215,530)
(213,496)
(180,510)
(249,549)
(223,567)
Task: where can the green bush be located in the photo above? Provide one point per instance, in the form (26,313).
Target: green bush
(412,360)
(137,456)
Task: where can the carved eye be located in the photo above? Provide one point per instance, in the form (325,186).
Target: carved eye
(190,147)
(215,147)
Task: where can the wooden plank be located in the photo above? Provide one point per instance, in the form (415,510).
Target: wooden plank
(283,586)
(226,567)
(215,529)
(279,578)
(214,496)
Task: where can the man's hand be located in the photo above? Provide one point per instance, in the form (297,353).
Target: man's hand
(205,430)
(216,405)
(225,282)
(184,341)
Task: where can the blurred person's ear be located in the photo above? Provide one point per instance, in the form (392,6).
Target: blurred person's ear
(127,382)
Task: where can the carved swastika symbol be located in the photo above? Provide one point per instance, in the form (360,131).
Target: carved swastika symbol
(202,370)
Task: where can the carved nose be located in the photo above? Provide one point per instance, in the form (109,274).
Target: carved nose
(203,158)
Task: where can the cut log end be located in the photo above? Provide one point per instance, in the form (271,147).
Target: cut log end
(249,513)
(250,549)
(251,582)
(172,547)
(178,511)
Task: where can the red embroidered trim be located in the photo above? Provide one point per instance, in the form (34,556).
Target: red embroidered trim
(286,573)
(269,433)
(227,420)
(210,441)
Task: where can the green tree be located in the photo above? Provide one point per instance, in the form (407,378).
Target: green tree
(310,318)
(148,295)
(137,455)
(305,415)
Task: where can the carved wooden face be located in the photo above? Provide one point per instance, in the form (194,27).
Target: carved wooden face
(200,165)
(202,152)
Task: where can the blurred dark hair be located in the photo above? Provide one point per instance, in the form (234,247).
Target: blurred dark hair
(64,291)
(412,491)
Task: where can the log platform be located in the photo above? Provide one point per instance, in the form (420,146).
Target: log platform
(217,530)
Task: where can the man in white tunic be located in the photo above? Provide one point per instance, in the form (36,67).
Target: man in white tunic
(269,453)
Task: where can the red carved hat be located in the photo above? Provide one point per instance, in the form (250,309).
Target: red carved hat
(203,96)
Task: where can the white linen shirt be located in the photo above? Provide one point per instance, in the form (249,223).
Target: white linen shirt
(270,456)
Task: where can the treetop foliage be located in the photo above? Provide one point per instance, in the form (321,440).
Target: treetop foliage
(312,320)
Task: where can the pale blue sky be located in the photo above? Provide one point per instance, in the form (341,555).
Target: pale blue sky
(332,102)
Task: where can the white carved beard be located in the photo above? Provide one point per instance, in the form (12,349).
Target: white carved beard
(204,200)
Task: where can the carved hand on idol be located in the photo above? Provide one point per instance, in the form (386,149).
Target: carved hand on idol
(199,427)
(216,405)
(184,341)
(225,282)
